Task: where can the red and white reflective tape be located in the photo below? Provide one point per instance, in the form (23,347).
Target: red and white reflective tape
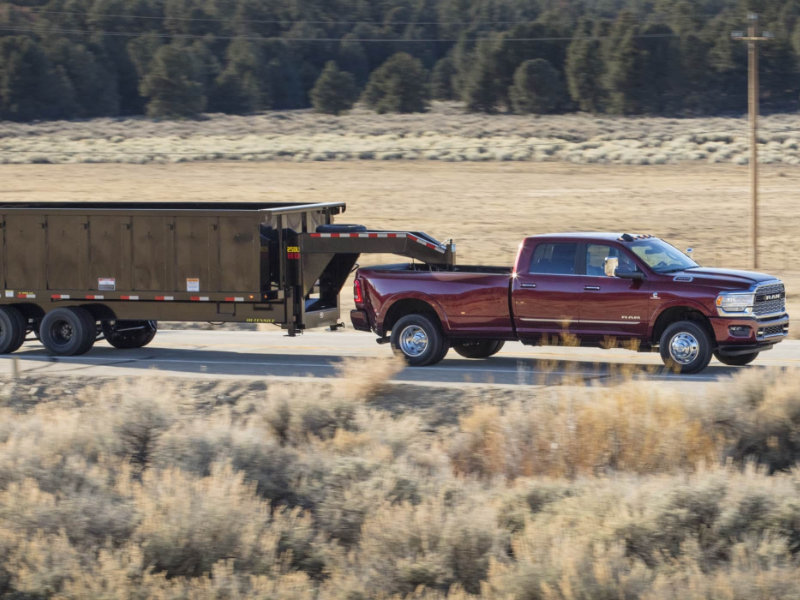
(60,297)
(374,235)
(94,297)
(129,297)
(199,298)
(165,298)
(26,295)
(235,299)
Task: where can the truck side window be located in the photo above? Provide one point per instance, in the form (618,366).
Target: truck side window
(557,259)
(596,255)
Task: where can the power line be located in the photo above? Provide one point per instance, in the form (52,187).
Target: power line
(316,39)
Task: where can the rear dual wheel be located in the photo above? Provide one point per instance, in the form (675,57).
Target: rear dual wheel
(129,334)
(419,340)
(13,328)
(478,348)
(68,331)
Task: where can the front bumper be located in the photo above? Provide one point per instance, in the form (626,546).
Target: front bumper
(745,335)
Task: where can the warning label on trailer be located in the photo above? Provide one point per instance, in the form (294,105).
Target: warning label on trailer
(192,284)
(106,283)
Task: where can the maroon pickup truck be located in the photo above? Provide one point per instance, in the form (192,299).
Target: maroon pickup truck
(602,289)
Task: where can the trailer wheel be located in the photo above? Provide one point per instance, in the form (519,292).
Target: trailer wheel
(341,228)
(13,328)
(478,348)
(737,360)
(129,334)
(685,347)
(417,339)
(68,331)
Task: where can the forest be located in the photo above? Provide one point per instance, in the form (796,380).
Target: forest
(79,59)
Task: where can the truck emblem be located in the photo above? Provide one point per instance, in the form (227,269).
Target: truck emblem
(655,296)
(769,297)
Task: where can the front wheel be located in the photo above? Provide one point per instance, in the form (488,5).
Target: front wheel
(129,334)
(417,339)
(478,348)
(68,331)
(738,360)
(685,347)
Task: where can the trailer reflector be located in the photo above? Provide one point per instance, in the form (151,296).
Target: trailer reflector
(60,297)
(26,295)
(165,298)
(235,299)
(129,297)
(93,297)
(199,298)
(392,235)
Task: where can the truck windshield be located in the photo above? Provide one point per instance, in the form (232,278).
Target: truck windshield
(661,257)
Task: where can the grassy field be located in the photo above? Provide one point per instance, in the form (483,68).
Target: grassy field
(157,489)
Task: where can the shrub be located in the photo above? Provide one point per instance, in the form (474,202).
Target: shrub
(335,91)
(537,88)
(398,85)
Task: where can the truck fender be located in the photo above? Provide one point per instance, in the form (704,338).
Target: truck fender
(677,303)
(392,301)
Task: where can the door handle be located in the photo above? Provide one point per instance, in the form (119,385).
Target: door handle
(591,287)
(528,285)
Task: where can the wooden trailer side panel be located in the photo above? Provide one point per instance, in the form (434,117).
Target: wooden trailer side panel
(25,252)
(239,255)
(110,253)
(152,253)
(67,252)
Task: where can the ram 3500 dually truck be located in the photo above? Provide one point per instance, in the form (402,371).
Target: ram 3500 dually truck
(603,289)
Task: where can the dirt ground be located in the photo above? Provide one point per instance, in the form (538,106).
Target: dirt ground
(486,207)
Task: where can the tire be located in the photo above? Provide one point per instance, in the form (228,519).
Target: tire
(68,331)
(343,228)
(129,334)
(417,339)
(738,360)
(478,348)
(685,347)
(13,328)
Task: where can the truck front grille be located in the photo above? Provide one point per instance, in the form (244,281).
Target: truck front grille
(770,300)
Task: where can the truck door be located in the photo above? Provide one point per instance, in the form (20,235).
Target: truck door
(545,294)
(611,306)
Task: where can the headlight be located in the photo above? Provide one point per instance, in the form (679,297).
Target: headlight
(735,302)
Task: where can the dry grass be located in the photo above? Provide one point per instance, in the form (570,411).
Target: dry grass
(142,489)
(446,133)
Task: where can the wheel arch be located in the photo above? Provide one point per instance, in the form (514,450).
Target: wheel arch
(407,306)
(675,314)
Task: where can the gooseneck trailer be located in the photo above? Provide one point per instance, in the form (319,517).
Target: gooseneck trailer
(73,272)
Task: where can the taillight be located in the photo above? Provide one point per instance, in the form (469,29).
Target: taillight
(358,294)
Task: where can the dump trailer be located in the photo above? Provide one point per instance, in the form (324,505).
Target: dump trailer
(75,272)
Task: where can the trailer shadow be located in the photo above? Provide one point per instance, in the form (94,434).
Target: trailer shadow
(501,370)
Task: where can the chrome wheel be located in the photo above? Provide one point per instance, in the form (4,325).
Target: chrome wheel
(684,348)
(413,341)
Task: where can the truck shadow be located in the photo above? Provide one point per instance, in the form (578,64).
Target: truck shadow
(503,370)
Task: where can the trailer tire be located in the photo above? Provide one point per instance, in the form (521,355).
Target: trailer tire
(736,360)
(478,348)
(418,340)
(134,334)
(68,331)
(685,347)
(343,228)
(13,328)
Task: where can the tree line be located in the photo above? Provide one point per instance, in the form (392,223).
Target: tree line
(179,58)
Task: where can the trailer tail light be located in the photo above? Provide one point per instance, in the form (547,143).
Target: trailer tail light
(358,293)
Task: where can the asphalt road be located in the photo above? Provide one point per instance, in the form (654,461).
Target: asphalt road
(259,354)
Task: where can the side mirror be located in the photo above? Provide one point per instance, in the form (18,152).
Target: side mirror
(634,275)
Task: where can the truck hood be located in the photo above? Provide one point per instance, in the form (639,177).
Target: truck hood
(724,278)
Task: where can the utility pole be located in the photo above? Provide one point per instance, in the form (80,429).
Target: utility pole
(753,39)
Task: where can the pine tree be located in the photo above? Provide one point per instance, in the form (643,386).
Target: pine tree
(335,90)
(537,88)
(239,88)
(443,79)
(173,84)
(481,89)
(398,85)
(623,67)
(584,71)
